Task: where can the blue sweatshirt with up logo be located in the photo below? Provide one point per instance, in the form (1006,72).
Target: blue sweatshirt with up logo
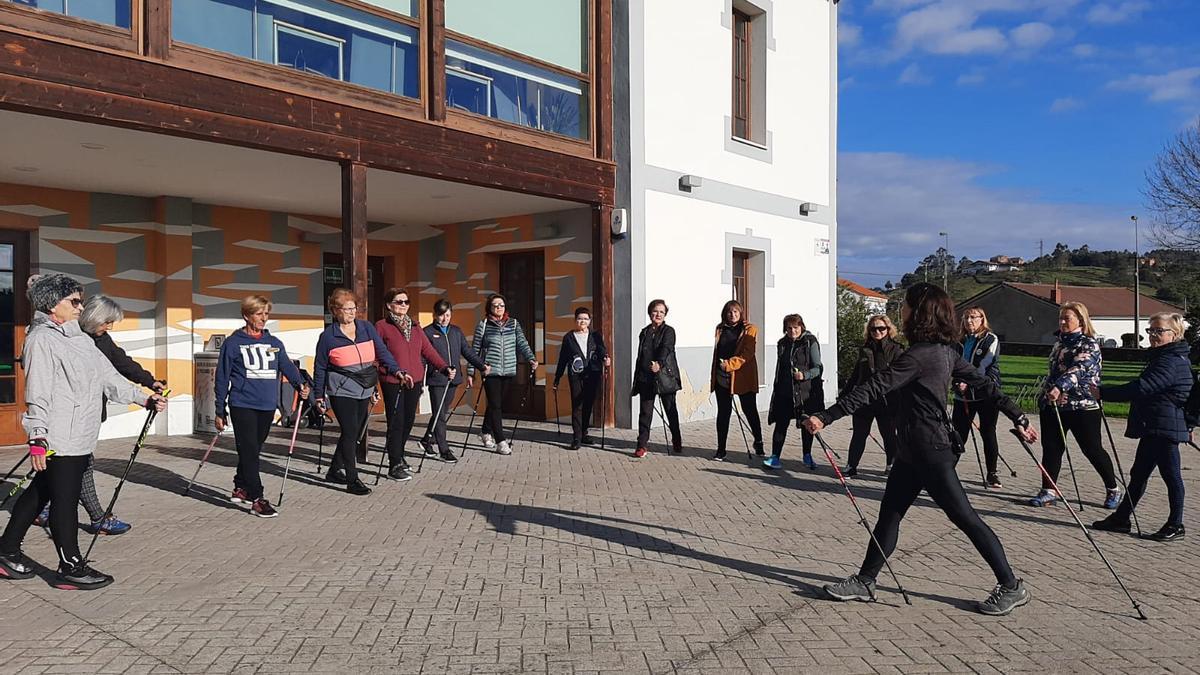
(248,371)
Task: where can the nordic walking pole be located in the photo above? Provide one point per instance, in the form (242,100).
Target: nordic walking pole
(1066,451)
(321,440)
(291,446)
(861,518)
(383,451)
(141,440)
(1086,533)
(557,423)
(742,426)
(433,421)
(1120,471)
(21,483)
(14,469)
(663,418)
(512,435)
(975,442)
(471,424)
(203,459)
(975,425)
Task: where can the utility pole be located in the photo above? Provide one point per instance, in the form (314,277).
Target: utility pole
(945,262)
(1137,286)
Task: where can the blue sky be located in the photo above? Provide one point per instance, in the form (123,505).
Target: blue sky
(1004,122)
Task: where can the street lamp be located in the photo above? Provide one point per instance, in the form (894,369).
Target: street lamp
(1137,286)
(945,262)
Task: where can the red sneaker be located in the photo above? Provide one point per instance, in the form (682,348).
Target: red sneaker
(263,509)
(239,496)
(641,452)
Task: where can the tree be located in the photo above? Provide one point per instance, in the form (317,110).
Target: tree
(851,318)
(1173,191)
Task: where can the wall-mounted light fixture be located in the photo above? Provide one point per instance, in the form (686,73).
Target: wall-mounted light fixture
(688,182)
(808,208)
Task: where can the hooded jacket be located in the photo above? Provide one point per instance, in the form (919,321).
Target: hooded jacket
(66,380)
(248,372)
(1157,395)
(791,397)
(497,343)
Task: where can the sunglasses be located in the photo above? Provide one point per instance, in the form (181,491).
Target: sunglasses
(400,302)
(879,329)
(1158,331)
(76,302)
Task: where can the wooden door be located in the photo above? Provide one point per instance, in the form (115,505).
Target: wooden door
(14,321)
(522,283)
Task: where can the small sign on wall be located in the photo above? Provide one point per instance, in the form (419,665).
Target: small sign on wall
(333,275)
(822,246)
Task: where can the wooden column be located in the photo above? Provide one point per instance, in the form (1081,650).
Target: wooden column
(156,29)
(602,296)
(603,79)
(435,71)
(354,231)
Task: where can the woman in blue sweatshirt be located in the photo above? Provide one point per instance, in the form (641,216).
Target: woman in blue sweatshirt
(247,377)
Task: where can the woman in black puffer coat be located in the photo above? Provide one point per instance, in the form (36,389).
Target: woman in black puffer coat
(1156,418)
(798,387)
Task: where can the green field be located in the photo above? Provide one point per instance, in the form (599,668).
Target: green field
(1020,374)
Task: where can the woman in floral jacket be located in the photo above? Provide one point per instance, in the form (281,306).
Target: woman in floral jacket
(1074,369)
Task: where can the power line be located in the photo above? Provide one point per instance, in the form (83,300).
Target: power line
(875,274)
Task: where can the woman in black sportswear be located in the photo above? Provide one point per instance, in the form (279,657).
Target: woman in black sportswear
(583,358)
(878,351)
(928,446)
(980,348)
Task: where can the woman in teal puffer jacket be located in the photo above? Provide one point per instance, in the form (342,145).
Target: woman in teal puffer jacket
(498,339)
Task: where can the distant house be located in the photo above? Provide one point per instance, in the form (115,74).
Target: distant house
(1029,312)
(980,267)
(876,302)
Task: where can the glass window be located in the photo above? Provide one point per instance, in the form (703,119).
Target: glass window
(741,74)
(552,31)
(6,256)
(504,88)
(313,36)
(110,12)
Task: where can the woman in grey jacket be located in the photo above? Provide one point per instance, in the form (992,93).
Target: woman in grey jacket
(65,378)
(497,340)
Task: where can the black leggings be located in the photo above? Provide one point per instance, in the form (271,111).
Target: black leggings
(440,414)
(1084,425)
(493,420)
(749,411)
(399,419)
(779,435)
(862,429)
(351,414)
(59,485)
(583,397)
(1155,451)
(646,415)
(964,412)
(250,430)
(940,480)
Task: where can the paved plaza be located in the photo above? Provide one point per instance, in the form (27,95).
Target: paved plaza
(551,561)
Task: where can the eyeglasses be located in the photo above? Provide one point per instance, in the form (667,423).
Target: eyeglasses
(348,310)
(497,305)
(399,302)
(879,329)
(76,302)
(1158,331)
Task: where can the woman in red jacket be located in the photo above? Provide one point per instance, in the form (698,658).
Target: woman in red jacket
(411,348)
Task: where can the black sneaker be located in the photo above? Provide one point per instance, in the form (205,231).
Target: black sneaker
(448,457)
(1168,533)
(357,488)
(677,447)
(588,440)
(993,481)
(397,473)
(1112,524)
(80,577)
(430,451)
(15,566)
(720,456)
(1004,600)
(336,476)
(573,446)
(850,471)
(263,509)
(758,448)
(852,587)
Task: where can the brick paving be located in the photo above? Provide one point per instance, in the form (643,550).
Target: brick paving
(552,561)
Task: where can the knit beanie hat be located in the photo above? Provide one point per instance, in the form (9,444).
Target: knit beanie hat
(47,290)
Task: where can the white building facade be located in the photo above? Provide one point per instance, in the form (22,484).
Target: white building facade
(728,174)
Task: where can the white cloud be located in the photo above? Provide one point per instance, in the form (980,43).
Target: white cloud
(1182,84)
(1031,35)
(912,75)
(1119,12)
(849,35)
(891,207)
(1065,104)
(946,28)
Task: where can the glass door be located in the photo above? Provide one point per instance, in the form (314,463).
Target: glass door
(14,321)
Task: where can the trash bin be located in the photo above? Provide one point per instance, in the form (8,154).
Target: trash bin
(204,398)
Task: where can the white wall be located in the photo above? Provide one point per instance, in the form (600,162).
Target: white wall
(688,69)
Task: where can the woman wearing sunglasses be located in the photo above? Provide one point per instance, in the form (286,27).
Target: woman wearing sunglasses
(879,350)
(497,340)
(411,349)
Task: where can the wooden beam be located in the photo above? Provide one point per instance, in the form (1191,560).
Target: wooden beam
(49,78)
(435,92)
(603,79)
(602,293)
(354,231)
(156,34)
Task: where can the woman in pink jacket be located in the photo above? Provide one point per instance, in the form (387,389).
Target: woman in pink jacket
(403,337)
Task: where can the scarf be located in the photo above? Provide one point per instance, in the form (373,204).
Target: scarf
(404,322)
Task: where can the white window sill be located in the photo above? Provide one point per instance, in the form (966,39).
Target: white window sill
(746,141)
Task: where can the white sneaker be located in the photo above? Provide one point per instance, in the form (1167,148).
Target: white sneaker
(489,442)
(505,448)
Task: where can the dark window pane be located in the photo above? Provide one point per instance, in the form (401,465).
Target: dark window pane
(8,390)
(7,346)
(7,298)
(308,52)
(6,258)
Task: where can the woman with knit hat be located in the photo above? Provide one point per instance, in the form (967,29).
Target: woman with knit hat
(66,377)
